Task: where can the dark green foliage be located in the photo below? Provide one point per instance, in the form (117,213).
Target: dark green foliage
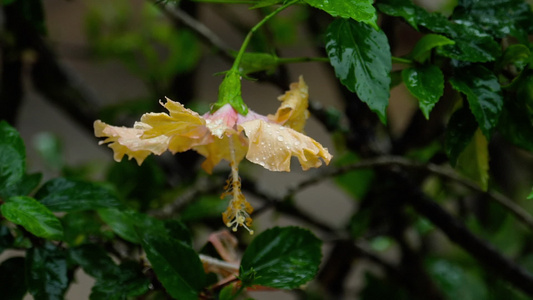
(63,194)
(46,272)
(175,263)
(281,258)
(483,93)
(33,216)
(361,58)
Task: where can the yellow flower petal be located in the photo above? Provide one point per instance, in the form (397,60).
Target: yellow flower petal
(272,145)
(127,141)
(220,149)
(293,110)
(184,127)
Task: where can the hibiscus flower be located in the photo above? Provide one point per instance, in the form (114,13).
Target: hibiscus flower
(225,134)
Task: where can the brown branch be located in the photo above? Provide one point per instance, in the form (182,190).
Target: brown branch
(391,161)
(479,249)
(208,36)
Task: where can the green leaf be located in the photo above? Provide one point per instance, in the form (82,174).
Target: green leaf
(204,207)
(518,55)
(281,258)
(94,261)
(499,18)
(459,133)
(471,47)
(471,42)
(125,223)
(112,281)
(82,227)
(175,263)
(516,122)
(127,283)
(426,83)
(530,196)
(63,194)
(23,187)
(229,92)
(483,93)
(12,277)
(121,222)
(358,10)
(473,162)
(455,282)
(33,216)
(46,272)
(361,58)
(12,156)
(255,62)
(423,47)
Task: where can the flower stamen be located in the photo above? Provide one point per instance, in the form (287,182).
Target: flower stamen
(239,210)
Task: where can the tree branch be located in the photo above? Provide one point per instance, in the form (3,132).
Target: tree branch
(479,249)
(208,36)
(391,161)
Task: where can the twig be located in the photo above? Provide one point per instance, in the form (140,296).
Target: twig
(208,36)
(284,205)
(389,161)
(479,249)
(201,187)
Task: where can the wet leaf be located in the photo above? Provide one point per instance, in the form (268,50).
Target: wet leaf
(281,258)
(175,263)
(12,157)
(361,58)
(473,162)
(426,83)
(423,47)
(358,10)
(483,93)
(46,272)
(63,194)
(459,133)
(33,216)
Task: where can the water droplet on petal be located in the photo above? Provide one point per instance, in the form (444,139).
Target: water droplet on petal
(296,143)
(280,138)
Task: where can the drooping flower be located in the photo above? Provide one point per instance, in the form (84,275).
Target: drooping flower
(224,134)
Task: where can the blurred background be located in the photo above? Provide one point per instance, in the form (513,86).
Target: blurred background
(119,58)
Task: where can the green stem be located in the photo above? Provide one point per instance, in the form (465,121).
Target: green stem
(400,60)
(292,60)
(238,59)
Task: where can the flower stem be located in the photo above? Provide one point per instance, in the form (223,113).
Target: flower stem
(246,41)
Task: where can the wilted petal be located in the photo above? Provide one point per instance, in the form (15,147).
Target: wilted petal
(222,121)
(124,140)
(184,127)
(293,110)
(220,149)
(272,145)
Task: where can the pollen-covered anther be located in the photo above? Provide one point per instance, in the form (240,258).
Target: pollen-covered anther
(239,210)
